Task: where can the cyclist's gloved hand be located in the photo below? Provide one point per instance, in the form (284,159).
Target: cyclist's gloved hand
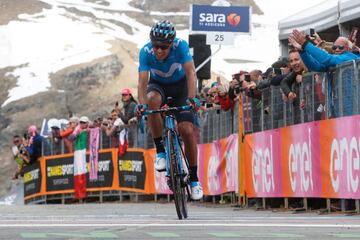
(194,102)
(140,108)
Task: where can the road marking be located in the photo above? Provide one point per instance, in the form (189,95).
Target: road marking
(37,235)
(163,234)
(254,235)
(179,224)
(346,235)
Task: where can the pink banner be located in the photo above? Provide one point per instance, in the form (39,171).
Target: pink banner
(94,153)
(217,167)
(341,161)
(262,164)
(301,160)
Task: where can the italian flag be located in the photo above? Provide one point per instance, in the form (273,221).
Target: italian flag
(80,165)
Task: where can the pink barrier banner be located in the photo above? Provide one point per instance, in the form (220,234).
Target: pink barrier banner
(217,167)
(317,159)
(262,164)
(300,163)
(340,145)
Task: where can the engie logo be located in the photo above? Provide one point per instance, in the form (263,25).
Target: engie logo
(219,20)
(233,19)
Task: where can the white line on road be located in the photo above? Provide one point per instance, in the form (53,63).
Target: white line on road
(185,225)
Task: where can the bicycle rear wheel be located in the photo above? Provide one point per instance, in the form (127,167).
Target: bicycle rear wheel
(176,177)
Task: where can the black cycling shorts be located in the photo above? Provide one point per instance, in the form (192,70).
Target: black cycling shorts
(179,93)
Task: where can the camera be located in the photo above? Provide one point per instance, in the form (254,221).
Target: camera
(209,105)
(310,32)
(247,78)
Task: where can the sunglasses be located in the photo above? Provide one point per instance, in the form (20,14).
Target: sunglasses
(340,47)
(83,122)
(16,141)
(125,95)
(162,47)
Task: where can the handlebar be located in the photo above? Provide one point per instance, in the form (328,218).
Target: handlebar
(170,109)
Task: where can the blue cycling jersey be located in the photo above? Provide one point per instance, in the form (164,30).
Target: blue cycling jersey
(169,70)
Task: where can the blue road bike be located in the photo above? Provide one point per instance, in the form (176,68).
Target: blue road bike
(176,171)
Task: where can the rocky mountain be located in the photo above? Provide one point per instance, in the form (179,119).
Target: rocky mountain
(88,88)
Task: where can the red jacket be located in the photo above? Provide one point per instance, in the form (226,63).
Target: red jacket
(226,102)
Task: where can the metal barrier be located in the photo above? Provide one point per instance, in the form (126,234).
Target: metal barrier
(214,124)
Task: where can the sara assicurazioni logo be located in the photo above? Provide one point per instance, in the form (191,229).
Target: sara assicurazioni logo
(233,19)
(218,19)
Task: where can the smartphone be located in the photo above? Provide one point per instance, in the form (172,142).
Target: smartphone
(353,34)
(312,32)
(247,78)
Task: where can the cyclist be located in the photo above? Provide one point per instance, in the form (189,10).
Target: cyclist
(166,69)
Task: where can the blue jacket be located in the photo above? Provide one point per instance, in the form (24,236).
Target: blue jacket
(318,60)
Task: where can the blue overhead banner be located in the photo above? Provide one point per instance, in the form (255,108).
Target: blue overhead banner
(209,18)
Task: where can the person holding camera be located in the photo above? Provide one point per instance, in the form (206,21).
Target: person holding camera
(21,156)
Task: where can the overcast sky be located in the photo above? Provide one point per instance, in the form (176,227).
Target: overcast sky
(279,9)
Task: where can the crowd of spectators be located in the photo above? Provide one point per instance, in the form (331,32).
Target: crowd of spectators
(27,149)
(307,54)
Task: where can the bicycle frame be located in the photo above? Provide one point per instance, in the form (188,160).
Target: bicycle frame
(170,126)
(174,162)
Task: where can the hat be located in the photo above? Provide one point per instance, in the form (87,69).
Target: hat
(54,123)
(126,91)
(280,64)
(267,73)
(74,119)
(214,84)
(84,119)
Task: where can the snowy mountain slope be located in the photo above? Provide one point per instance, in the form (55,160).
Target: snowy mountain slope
(76,31)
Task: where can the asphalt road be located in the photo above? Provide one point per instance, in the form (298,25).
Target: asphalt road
(159,221)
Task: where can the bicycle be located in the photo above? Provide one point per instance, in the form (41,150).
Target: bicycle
(178,175)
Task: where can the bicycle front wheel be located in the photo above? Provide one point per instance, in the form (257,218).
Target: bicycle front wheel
(176,176)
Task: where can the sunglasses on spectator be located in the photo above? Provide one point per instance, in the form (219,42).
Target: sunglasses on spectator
(83,122)
(340,47)
(16,141)
(125,95)
(162,47)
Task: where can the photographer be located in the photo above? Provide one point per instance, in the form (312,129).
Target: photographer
(21,156)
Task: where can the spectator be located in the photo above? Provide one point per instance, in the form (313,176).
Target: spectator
(318,60)
(129,104)
(55,126)
(35,144)
(290,85)
(293,79)
(112,127)
(236,84)
(224,100)
(65,133)
(20,154)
